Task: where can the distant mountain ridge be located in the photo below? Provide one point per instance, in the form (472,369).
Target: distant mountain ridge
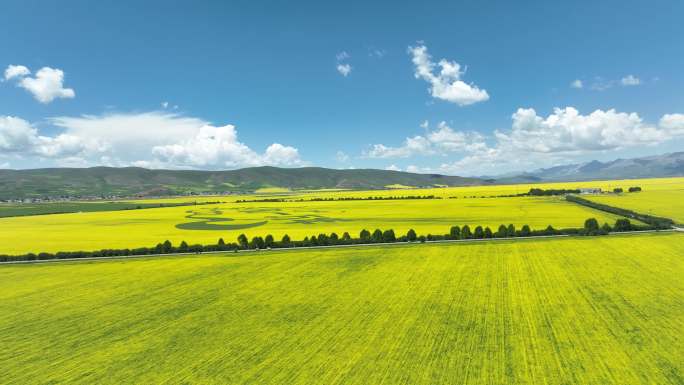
(132,181)
(666,165)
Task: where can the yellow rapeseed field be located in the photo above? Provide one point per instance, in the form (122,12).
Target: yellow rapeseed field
(206,223)
(593,310)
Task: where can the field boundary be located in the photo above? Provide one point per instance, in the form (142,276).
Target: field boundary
(396,244)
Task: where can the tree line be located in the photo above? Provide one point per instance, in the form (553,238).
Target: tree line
(332,199)
(591,227)
(654,222)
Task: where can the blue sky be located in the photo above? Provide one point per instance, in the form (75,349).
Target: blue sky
(215,85)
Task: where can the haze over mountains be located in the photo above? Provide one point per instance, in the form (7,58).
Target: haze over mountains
(646,167)
(133,181)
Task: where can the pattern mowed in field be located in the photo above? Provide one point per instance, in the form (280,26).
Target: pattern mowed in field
(206,224)
(600,310)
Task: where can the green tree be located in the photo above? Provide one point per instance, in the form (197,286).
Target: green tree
(334,238)
(183,248)
(269,241)
(221,242)
(525,231)
(617,190)
(258,243)
(167,247)
(377,235)
(605,229)
(242,241)
(346,237)
(502,232)
(364,235)
(510,230)
(286,240)
(411,235)
(454,232)
(488,232)
(591,226)
(479,233)
(549,230)
(623,224)
(465,232)
(389,236)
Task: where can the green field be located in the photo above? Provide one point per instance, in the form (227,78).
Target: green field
(27,209)
(206,223)
(600,310)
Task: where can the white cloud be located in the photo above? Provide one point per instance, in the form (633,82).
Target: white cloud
(344,69)
(630,80)
(535,141)
(563,136)
(19,137)
(14,71)
(279,155)
(447,84)
(443,140)
(376,53)
(673,123)
(172,140)
(165,105)
(341,157)
(342,56)
(46,86)
(577,84)
(566,130)
(392,167)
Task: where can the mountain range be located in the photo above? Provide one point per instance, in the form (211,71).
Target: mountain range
(134,181)
(665,165)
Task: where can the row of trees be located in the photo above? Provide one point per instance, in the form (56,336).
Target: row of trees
(619,190)
(332,199)
(591,227)
(657,223)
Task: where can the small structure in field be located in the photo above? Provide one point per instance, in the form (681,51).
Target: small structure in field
(590,190)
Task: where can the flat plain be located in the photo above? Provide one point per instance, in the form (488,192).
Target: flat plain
(592,310)
(207,223)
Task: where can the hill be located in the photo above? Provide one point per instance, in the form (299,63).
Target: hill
(129,181)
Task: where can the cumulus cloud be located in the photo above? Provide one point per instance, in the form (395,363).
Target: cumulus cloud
(445,84)
(630,80)
(534,141)
(219,146)
(577,84)
(673,123)
(565,135)
(14,71)
(150,139)
(442,140)
(344,69)
(19,137)
(566,130)
(46,86)
(392,167)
